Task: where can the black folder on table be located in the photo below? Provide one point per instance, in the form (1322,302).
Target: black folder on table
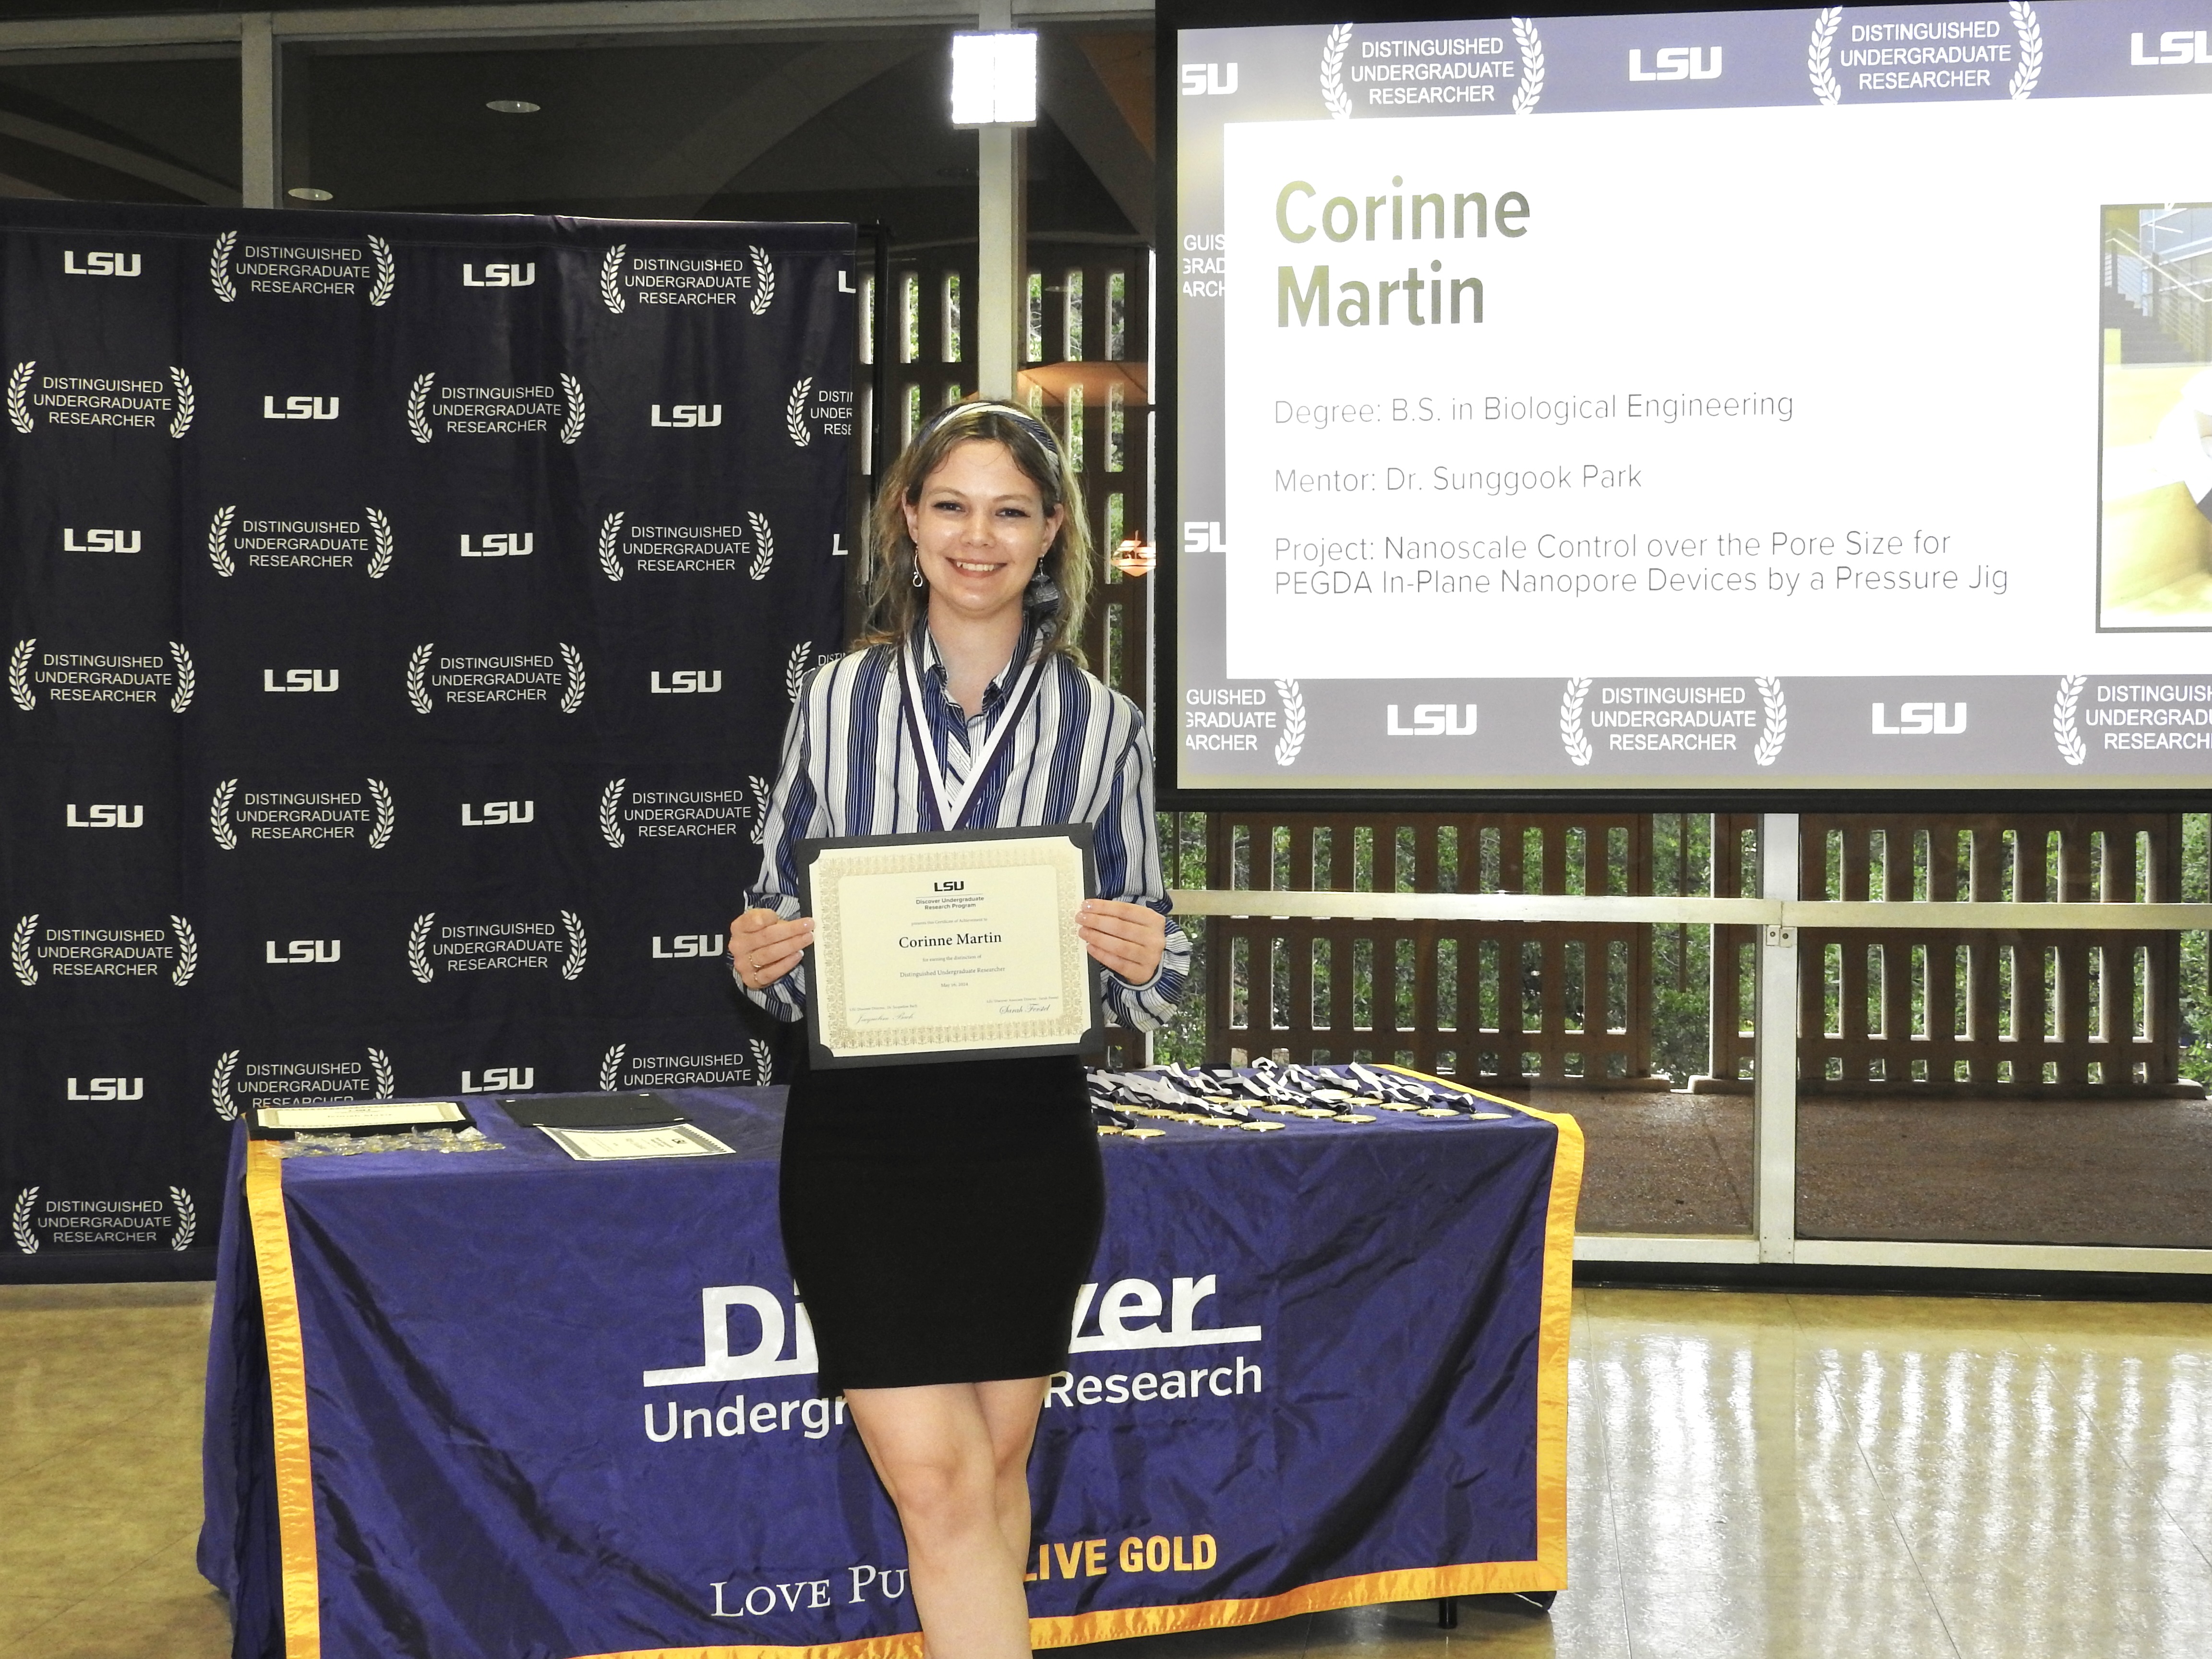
(639,1109)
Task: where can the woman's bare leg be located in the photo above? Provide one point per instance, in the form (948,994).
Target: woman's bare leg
(953,1456)
(1009,1412)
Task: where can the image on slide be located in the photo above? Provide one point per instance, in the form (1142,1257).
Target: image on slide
(2155,563)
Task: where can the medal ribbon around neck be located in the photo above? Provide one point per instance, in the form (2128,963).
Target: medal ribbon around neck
(947,805)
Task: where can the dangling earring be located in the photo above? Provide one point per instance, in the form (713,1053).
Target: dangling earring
(918,581)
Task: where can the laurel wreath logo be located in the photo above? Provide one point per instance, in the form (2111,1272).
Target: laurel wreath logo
(1332,72)
(1816,56)
(1571,737)
(759,786)
(794,669)
(19,387)
(226,1067)
(794,412)
(388,816)
(763,1063)
(764,282)
(610,278)
(418,947)
(579,947)
(418,669)
(2062,732)
(188,679)
(1532,66)
(188,1218)
(611,545)
(181,422)
(19,674)
(188,952)
(19,950)
(2030,69)
(763,545)
(219,540)
(1777,730)
(572,423)
(219,822)
(610,812)
(381,1063)
(379,561)
(572,661)
(387,271)
(418,405)
(611,1067)
(18,1219)
(1294,722)
(219,267)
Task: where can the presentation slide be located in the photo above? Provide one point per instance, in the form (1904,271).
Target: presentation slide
(1784,399)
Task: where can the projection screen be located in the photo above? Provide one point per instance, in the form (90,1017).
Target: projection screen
(1727,401)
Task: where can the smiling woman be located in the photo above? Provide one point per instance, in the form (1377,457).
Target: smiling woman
(965,707)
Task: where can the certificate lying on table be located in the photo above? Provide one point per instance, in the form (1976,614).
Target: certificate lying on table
(952,946)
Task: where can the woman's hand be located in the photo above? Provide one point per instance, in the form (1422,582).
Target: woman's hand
(764,947)
(1129,939)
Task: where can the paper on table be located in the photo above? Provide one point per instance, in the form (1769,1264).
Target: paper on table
(374,1114)
(675,1140)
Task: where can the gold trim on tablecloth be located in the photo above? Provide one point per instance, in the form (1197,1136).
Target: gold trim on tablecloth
(287,1400)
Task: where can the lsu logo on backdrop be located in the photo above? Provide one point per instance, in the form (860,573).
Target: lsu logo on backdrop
(500,1080)
(299,679)
(484,815)
(1208,80)
(676,946)
(1921,720)
(101,541)
(695,414)
(300,952)
(499,545)
(299,408)
(686,682)
(2175,46)
(1676,64)
(1432,719)
(107,1088)
(498,275)
(110,815)
(1203,536)
(99,264)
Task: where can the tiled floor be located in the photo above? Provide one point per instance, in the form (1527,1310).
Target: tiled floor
(1767,1476)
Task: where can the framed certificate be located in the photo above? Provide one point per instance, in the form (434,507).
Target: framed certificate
(951,946)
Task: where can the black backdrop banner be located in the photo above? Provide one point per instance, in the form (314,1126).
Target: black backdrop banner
(401,614)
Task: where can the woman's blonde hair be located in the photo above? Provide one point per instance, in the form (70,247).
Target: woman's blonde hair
(895,604)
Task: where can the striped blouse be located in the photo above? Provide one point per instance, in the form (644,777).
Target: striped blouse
(1079,754)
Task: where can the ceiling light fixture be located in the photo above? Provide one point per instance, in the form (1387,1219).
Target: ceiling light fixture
(309,193)
(514,107)
(995,79)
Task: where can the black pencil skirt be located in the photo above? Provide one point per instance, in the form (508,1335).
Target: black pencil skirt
(939,1219)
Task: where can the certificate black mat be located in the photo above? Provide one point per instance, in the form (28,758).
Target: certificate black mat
(1091,1043)
(638,1109)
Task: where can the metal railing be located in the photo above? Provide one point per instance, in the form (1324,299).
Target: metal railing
(1779,919)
